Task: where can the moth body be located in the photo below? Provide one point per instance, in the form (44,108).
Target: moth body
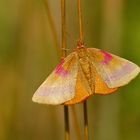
(86,65)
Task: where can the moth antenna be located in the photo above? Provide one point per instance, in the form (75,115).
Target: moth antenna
(64,49)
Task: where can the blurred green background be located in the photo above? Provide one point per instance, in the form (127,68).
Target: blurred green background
(29,38)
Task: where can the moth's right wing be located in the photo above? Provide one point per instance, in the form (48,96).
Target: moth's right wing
(114,70)
(59,87)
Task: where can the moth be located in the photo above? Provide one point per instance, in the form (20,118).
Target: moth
(85,72)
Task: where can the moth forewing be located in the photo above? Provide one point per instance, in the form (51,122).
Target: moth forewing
(59,87)
(114,70)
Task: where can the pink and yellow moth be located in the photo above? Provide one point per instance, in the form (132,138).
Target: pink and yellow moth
(85,72)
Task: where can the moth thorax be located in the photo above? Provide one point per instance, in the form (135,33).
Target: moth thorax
(82,52)
(86,68)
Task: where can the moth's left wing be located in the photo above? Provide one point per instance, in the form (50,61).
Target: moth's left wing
(59,87)
(82,90)
(114,70)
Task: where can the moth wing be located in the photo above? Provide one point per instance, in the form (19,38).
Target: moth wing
(114,70)
(101,87)
(59,87)
(82,90)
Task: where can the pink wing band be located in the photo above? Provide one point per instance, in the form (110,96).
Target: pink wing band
(107,57)
(60,70)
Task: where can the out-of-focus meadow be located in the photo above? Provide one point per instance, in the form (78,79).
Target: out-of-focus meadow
(30,41)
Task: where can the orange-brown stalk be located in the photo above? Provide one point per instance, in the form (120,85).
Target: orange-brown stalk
(81,36)
(63,55)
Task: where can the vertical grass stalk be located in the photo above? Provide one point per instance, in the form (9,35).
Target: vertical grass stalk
(63,18)
(64,53)
(77,128)
(85,121)
(67,130)
(81,34)
(52,25)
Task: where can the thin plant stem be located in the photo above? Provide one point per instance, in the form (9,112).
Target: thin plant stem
(85,121)
(81,34)
(63,17)
(76,123)
(52,26)
(66,115)
(64,53)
